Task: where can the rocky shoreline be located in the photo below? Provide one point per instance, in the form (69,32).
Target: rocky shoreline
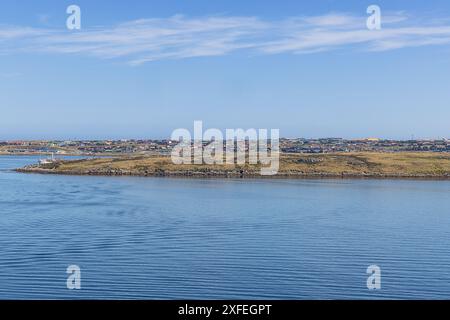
(231,175)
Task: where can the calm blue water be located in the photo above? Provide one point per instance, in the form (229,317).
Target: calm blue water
(159,238)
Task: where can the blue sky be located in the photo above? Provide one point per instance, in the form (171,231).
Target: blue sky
(140,69)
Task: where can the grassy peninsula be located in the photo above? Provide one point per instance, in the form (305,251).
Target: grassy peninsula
(429,165)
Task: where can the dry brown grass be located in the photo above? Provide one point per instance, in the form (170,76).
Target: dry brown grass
(368,164)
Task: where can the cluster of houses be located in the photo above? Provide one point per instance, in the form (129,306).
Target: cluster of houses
(297,145)
(87,147)
(328,145)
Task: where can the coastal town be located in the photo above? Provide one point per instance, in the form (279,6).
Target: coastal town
(165,146)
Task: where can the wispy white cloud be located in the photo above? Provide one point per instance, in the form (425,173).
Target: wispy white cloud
(181,37)
(14,32)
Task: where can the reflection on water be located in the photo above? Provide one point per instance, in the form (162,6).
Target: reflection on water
(180,238)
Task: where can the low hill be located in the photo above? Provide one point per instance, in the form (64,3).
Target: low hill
(370,164)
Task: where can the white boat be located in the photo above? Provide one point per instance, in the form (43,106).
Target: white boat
(48,160)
